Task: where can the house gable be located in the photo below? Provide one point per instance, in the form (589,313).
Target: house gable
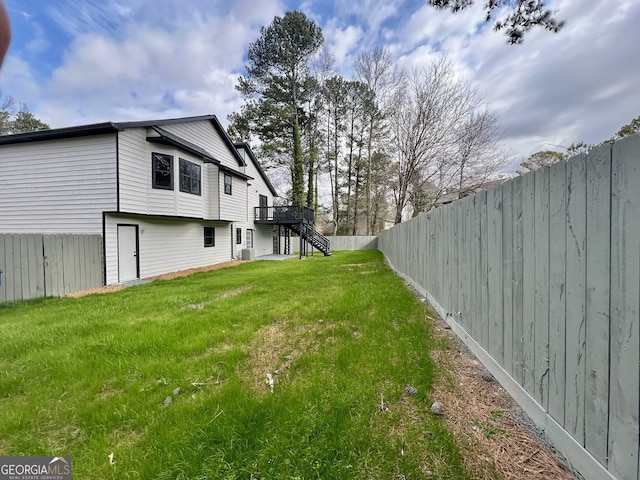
(209,135)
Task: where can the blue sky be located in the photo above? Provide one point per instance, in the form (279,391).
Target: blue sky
(84,61)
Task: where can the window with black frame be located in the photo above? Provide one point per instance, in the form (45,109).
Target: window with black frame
(227,184)
(162,171)
(189,177)
(209,237)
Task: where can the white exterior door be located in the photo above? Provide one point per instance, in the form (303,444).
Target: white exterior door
(249,238)
(127,252)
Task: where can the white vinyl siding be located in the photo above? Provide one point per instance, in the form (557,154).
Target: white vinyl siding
(137,194)
(167,245)
(256,187)
(211,192)
(234,206)
(262,238)
(262,234)
(57,186)
(203,134)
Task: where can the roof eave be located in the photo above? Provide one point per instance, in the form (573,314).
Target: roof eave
(60,133)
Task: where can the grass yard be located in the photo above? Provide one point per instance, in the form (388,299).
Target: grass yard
(341,336)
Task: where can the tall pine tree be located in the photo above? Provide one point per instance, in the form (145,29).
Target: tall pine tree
(277,87)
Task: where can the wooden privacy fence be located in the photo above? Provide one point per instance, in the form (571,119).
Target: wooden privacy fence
(354,242)
(541,278)
(37,265)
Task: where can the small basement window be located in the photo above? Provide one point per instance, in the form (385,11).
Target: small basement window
(238,236)
(227,184)
(209,237)
(162,171)
(189,177)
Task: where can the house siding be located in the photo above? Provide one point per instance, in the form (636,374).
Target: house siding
(234,206)
(137,194)
(166,245)
(204,134)
(57,186)
(263,234)
(212,209)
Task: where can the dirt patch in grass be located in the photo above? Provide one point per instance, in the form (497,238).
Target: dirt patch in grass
(235,292)
(165,276)
(487,423)
(275,347)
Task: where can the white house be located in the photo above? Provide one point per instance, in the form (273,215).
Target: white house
(165,195)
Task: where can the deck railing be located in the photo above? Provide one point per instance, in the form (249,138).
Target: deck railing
(284,214)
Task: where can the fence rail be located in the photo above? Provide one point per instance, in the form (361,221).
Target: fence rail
(37,265)
(541,277)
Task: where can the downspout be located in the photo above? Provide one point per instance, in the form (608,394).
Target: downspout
(232,243)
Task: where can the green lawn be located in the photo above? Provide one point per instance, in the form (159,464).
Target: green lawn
(88,377)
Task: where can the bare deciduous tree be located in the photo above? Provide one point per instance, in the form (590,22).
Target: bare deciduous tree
(378,71)
(477,159)
(443,136)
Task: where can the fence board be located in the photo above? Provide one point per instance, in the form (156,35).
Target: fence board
(528,281)
(53,265)
(575,297)
(598,272)
(474,265)
(434,239)
(484,281)
(452,268)
(625,309)
(471,305)
(518,293)
(541,292)
(438,261)
(557,290)
(445,261)
(3,267)
(507,275)
(39,273)
(27,248)
(14,256)
(494,273)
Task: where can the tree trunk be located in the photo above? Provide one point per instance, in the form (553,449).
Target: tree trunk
(297,173)
(336,200)
(313,154)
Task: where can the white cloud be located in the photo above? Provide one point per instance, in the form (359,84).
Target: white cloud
(170,62)
(343,42)
(147,59)
(580,84)
(18,80)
